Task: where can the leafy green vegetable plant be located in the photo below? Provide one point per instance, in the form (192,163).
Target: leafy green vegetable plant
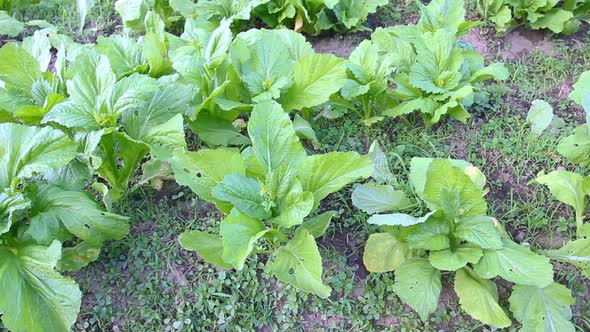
(117,115)
(457,236)
(563,17)
(37,219)
(435,73)
(233,74)
(267,192)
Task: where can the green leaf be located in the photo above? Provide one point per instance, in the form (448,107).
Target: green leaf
(432,234)
(216,131)
(382,174)
(479,298)
(449,189)
(35,297)
(83,7)
(124,53)
(481,231)
(495,71)
(75,258)
(576,252)
(316,78)
(452,260)
(330,172)
(539,116)
(318,225)
(55,208)
(384,252)
(517,264)
(273,138)
(543,309)
(553,20)
(10,26)
(576,147)
(203,170)
(398,219)
(581,92)
(304,130)
(132,12)
(29,150)
(419,170)
(238,233)
(375,198)
(418,284)
(10,203)
(294,207)
(567,187)
(18,68)
(299,263)
(208,246)
(243,193)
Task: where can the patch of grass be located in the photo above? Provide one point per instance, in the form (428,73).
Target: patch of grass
(101,20)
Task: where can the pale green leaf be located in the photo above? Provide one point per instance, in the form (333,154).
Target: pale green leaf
(243,193)
(576,252)
(35,298)
(10,26)
(239,233)
(482,231)
(539,116)
(517,264)
(318,225)
(418,284)
(567,187)
(452,260)
(299,263)
(375,198)
(479,298)
(384,252)
(543,309)
(208,246)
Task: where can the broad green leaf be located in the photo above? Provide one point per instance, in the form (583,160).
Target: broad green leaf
(18,68)
(304,130)
(517,264)
(576,147)
(295,206)
(495,71)
(567,187)
(432,234)
(243,193)
(442,14)
(375,198)
(208,246)
(318,225)
(132,12)
(39,46)
(316,78)
(83,7)
(218,45)
(576,252)
(330,172)
(273,138)
(539,116)
(479,230)
(203,170)
(418,284)
(75,258)
(216,131)
(449,189)
(35,298)
(452,260)
(54,208)
(398,219)
(553,20)
(238,233)
(124,53)
(30,150)
(479,298)
(384,252)
(543,309)
(419,171)
(299,263)
(10,26)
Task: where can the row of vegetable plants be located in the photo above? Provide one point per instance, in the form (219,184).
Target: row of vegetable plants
(88,121)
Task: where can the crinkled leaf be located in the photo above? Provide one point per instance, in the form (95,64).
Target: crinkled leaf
(452,260)
(243,193)
(35,297)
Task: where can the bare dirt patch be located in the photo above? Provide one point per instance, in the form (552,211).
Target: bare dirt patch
(340,46)
(521,42)
(479,42)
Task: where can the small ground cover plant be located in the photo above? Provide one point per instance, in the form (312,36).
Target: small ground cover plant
(457,236)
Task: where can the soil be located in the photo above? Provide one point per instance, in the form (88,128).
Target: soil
(521,42)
